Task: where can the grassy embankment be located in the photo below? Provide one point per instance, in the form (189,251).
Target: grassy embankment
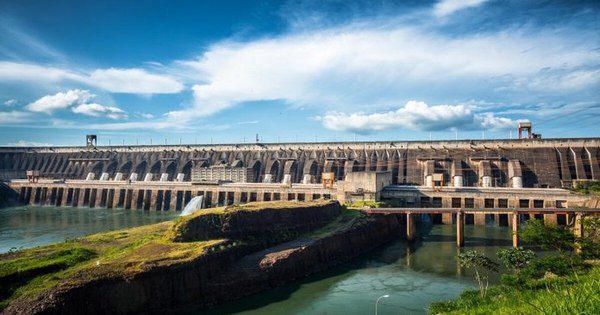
(572,293)
(560,284)
(118,254)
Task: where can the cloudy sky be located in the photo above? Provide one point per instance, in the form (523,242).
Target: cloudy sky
(224,71)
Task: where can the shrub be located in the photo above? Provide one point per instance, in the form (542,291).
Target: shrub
(476,260)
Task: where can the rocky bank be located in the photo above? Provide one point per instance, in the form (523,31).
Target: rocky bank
(241,264)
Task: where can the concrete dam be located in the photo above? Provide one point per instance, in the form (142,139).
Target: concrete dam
(419,173)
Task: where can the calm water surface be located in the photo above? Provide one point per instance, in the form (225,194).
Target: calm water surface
(30,226)
(413,276)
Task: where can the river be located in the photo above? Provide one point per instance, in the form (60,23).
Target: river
(31,226)
(412,275)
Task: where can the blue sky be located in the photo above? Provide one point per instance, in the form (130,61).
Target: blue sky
(224,71)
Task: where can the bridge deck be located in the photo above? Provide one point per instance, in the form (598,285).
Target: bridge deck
(481,210)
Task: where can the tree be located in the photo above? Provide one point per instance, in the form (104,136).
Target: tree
(548,237)
(476,260)
(515,258)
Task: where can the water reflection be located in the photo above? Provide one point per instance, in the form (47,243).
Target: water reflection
(413,275)
(30,226)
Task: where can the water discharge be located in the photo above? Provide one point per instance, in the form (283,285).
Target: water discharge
(192,206)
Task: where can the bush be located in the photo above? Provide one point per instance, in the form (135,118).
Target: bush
(558,265)
(557,238)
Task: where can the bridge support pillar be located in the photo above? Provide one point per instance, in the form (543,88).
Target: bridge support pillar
(447,218)
(515,229)
(550,219)
(460,229)
(479,218)
(411,227)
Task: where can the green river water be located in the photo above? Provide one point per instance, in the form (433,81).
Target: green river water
(412,275)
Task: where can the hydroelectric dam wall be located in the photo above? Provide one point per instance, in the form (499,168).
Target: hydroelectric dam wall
(160,177)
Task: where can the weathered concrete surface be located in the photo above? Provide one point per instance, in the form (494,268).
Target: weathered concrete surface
(547,162)
(215,278)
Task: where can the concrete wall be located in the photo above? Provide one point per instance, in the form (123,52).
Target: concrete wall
(543,163)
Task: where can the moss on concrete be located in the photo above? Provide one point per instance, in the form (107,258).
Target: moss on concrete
(123,254)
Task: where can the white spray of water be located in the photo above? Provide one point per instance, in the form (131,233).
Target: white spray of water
(192,206)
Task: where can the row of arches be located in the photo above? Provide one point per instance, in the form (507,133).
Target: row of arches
(541,165)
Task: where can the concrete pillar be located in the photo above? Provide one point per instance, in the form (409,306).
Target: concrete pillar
(260,196)
(164,177)
(447,218)
(215,198)
(307,179)
(133,177)
(134,198)
(104,176)
(118,177)
(460,229)
(81,199)
(458,181)
(65,197)
(411,227)
(479,218)
(153,198)
(550,219)
(149,177)
(90,176)
(515,229)
(517,182)
(287,179)
(180,177)
(173,201)
(268,178)
(429,181)
(116,197)
(486,181)
(237,197)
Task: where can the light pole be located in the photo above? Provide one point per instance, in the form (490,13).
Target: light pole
(377,302)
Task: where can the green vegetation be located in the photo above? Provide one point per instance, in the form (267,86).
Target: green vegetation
(550,295)
(112,254)
(588,187)
(374,204)
(559,284)
(474,259)
(120,254)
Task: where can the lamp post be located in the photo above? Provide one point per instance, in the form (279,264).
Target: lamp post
(377,302)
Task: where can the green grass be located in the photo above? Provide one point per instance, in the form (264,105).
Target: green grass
(588,187)
(346,218)
(122,253)
(572,294)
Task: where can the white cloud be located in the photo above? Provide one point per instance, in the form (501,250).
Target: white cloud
(144,115)
(447,7)
(370,65)
(14,71)
(78,101)
(14,117)
(24,143)
(61,100)
(553,81)
(97,110)
(133,81)
(10,102)
(136,81)
(417,116)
